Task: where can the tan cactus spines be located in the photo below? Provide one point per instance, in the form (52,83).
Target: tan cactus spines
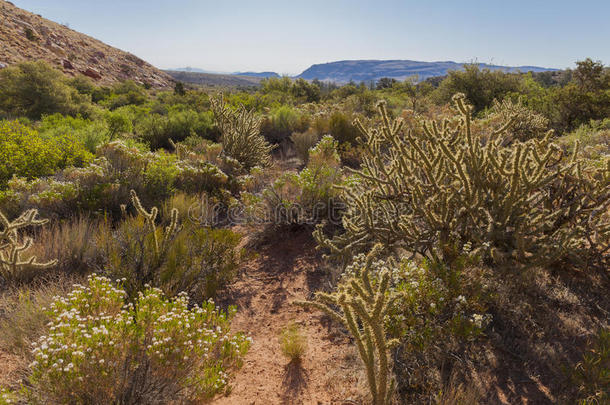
(431,189)
(13,246)
(241,138)
(363,305)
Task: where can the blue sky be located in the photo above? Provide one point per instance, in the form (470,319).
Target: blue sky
(289,36)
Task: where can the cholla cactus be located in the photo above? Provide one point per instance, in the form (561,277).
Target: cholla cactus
(364,305)
(149,220)
(525,124)
(241,138)
(13,246)
(435,188)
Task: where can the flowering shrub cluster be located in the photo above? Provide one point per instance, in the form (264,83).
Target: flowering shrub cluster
(102,350)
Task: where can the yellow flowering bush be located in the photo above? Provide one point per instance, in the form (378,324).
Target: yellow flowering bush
(155,350)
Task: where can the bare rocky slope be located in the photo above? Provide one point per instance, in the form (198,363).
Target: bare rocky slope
(25,36)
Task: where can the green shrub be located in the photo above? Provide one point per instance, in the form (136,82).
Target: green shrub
(307,197)
(586,97)
(480,86)
(83,85)
(104,184)
(30,35)
(159,131)
(303,142)
(432,190)
(201,261)
(125,93)
(32,89)
(24,153)
(118,123)
(100,349)
(160,176)
(281,122)
(178,258)
(341,128)
(89,133)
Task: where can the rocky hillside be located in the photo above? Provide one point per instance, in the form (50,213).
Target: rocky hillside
(26,36)
(368,70)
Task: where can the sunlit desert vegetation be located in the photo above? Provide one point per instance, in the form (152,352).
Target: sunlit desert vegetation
(462,227)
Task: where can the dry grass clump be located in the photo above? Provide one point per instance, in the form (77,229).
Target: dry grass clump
(293,343)
(23,319)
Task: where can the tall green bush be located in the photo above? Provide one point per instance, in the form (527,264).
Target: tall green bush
(32,89)
(24,152)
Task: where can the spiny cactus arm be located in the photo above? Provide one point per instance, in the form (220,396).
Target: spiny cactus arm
(360,291)
(504,127)
(28,218)
(363,341)
(371,367)
(10,261)
(171,229)
(381,297)
(149,219)
(324,308)
(373,316)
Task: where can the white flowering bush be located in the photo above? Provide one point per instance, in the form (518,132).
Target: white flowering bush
(440,309)
(101,350)
(7,397)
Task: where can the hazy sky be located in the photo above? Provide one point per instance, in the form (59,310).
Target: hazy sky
(289,36)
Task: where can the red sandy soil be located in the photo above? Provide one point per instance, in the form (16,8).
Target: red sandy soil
(289,269)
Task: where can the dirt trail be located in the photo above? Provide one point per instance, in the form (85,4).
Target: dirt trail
(284,271)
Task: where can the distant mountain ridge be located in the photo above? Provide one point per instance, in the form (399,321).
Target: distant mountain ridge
(258,74)
(344,71)
(26,36)
(372,70)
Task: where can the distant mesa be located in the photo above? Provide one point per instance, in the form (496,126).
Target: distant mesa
(264,75)
(372,70)
(342,72)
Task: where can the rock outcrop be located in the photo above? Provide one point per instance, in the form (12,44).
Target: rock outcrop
(25,36)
